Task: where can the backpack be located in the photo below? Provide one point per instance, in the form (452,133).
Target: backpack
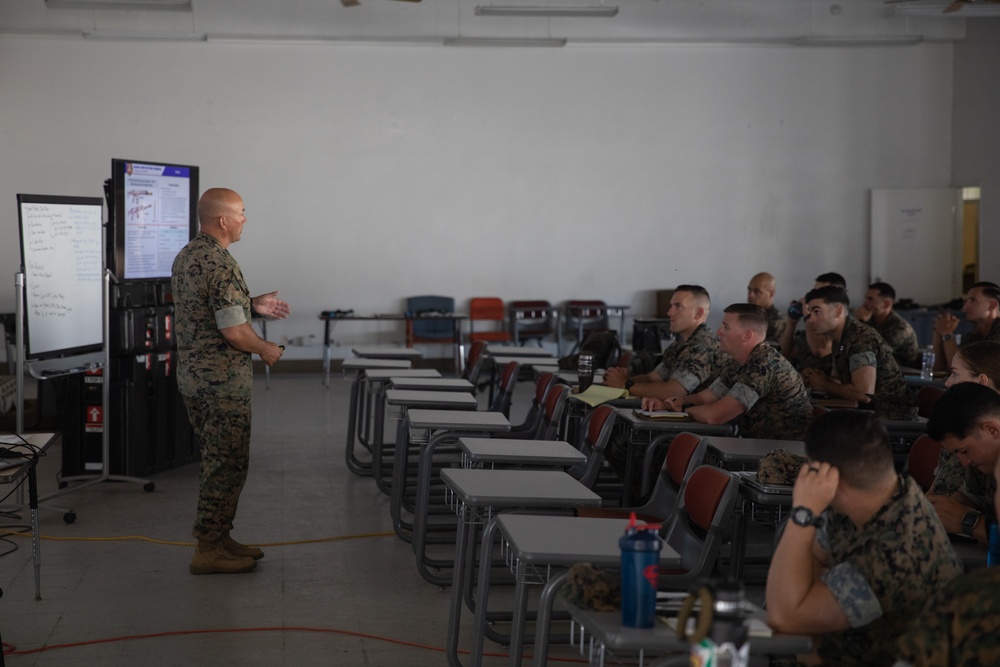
(602,345)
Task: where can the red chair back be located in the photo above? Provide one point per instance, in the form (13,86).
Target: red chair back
(923,460)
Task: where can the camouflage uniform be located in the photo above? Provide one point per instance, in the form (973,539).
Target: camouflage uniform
(882,574)
(802,356)
(960,626)
(952,477)
(775,402)
(215,379)
(900,336)
(992,334)
(860,346)
(691,362)
(775,324)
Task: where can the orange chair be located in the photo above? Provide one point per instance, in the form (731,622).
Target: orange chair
(487,309)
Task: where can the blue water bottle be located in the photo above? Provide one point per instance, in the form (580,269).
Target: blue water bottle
(993,552)
(640,546)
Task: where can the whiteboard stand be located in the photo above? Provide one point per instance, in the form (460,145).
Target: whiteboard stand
(105,474)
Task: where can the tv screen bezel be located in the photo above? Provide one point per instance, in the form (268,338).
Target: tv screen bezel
(116,256)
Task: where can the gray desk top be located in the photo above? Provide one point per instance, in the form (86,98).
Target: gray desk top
(510,451)
(747,450)
(429,399)
(565,540)
(360,363)
(517,351)
(607,628)
(517,488)
(493,422)
(530,362)
(430,383)
(672,426)
(386,352)
(390,373)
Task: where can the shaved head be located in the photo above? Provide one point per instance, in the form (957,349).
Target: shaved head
(761,289)
(220,214)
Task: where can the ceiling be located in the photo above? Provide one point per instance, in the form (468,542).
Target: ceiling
(844,22)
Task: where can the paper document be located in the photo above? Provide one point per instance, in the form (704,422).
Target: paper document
(599,393)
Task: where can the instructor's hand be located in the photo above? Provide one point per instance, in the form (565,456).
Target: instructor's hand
(271,354)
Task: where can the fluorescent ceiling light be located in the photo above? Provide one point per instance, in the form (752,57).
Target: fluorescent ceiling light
(503,41)
(848,40)
(144,5)
(594,11)
(111,35)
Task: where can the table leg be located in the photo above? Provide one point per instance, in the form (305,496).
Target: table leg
(739,545)
(36,545)
(379,443)
(457,579)
(399,479)
(326,353)
(482,592)
(542,629)
(354,464)
(421,506)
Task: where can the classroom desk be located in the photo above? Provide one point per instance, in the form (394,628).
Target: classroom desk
(430,430)
(535,544)
(362,364)
(475,496)
(583,312)
(387,352)
(608,632)
(398,402)
(743,454)
(645,434)
(330,319)
(508,452)
(516,351)
(15,474)
(733,453)
(370,377)
(431,384)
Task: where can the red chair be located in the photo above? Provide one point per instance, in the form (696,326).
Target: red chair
(530,320)
(555,405)
(596,427)
(922,461)
(926,398)
(487,309)
(583,317)
(529,427)
(474,364)
(505,388)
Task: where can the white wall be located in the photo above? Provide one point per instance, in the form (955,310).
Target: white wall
(976,149)
(371,173)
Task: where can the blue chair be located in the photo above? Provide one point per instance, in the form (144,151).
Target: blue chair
(426,328)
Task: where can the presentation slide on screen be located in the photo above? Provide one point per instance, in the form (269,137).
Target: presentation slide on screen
(157,210)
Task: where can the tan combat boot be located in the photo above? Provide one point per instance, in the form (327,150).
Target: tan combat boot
(213,558)
(237,549)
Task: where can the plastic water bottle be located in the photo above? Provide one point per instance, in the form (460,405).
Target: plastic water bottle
(993,553)
(585,371)
(927,364)
(640,548)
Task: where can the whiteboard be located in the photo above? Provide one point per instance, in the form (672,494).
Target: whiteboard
(915,243)
(62,261)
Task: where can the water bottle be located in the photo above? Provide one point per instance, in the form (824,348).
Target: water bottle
(585,371)
(640,548)
(993,552)
(927,364)
(726,644)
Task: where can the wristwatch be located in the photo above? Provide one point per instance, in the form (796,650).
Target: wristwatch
(803,516)
(969,522)
(628,384)
(946,337)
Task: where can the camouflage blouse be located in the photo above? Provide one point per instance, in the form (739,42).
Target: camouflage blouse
(882,574)
(776,404)
(901,337)
(860,346)
(692,362)
(775,325)
(209,294)
(960,625)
